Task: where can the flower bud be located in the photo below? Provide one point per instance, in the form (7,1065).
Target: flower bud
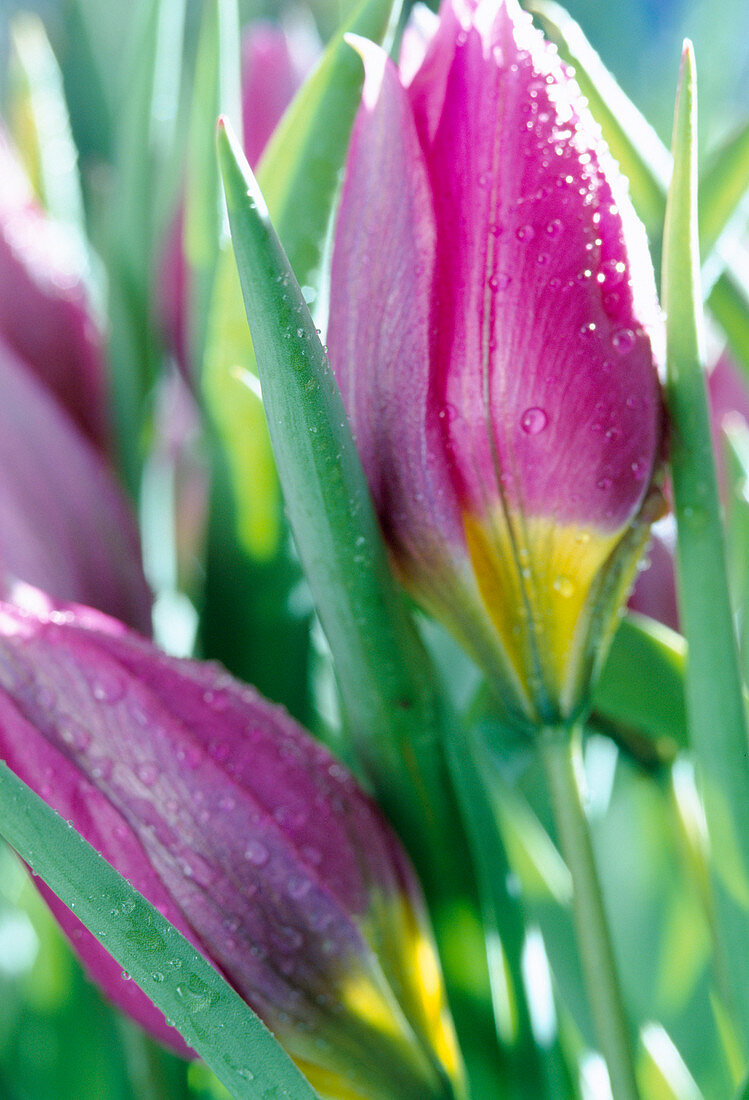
(495,332)
(246,834)
(45,313)
(65,525)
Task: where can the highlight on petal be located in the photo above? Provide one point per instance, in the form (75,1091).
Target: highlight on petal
(246,833)
(45,313)
(64,523)
(514,452)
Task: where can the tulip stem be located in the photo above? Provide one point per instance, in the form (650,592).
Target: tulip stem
(560,750)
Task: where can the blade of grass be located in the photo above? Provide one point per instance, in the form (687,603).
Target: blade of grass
(715,702)
(640,693)
(393,711)
(724,188)
(132,349)
(207,1012)
(42,124)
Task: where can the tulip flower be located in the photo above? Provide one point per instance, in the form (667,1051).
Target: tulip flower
(245,833)
(64,523)
(495,333)
(45,315)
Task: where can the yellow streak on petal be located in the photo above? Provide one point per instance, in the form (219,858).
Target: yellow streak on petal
(416,978)
(536,595)
(328,1083)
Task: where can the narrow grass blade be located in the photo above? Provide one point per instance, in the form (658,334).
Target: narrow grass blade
(300,170)
(715,702)
(729,305)
(724,190)
(132,348)
(381,666)
(639,697)
(211,1017)
(299,175)
(393,713)
(41,123)
(736,439)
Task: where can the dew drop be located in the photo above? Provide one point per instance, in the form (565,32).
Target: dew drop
(298,887)
(564,586)
(147,773)
(639,469)
(605,483)
(534,420)
(623,340)
(525,233)
(256,853)
(554,228)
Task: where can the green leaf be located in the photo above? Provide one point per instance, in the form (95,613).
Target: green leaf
(504,927)
(299,175)
(41,126)
(661,1071)
(639,697)
(724,187)
(715,702)
(729,305)
(381,665)
(736,438)
(208,1013)
(300,169)
(132,349)
(215,91)
(390,702)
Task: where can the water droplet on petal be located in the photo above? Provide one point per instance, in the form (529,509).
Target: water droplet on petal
(623,340)
(256,853)
(534,420)
(525,233)
(639,469)
(147,773)
(564,586)
(554,228)
(605,483)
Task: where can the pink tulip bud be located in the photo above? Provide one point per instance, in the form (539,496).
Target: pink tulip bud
(45,314)
(495,333)
(245,833)
(65,525)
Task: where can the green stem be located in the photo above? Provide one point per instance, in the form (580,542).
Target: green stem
(594,941)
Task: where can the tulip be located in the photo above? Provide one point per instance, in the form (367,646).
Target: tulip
(245,833)
(64,523)
(45,314)
(495,333)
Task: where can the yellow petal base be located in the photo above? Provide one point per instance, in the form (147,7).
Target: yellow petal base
(535,578)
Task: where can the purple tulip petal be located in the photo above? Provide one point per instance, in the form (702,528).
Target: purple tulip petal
(45,315)
(507,408)
(64,524)
(274,65)
(246,833)
(654,593)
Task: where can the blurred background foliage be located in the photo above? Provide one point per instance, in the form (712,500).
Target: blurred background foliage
(58,1039)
